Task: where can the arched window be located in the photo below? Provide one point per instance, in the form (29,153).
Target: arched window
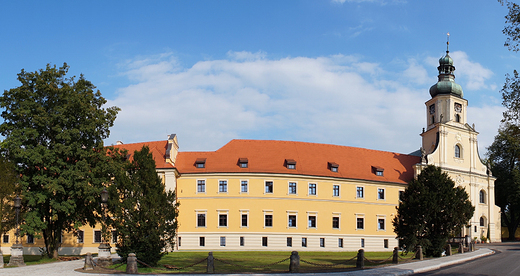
(482,222)
(482,196)
(457,151)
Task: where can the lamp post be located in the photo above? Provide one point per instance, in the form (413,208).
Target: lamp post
(104,255)
(17,248)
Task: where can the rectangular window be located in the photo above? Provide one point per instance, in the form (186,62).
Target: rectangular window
(201,220)
(340,242)
(312,189)
(335,222)
(268,221)
(5,238)
(359,192)
(200,163)
(381,224)
(335,190)
(97,236)
(222,241)
(304,242)
(385,243)
(289,241)
(312,221)
(114,236)
(380,193)
(243,186)
(242,241)
(81,236)
(322,242)
(360,223)
(362,243)
(292,221)
(201,186)
(242,162)
(222,220)
(244,220)
(222,186)
(30,238)
(202,241)
(401,194)
(179,241)
(264,241)
(379,173)
(292,188)
(269,187)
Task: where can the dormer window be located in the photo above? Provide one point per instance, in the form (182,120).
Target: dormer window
(333,167)
(378,171)
(290,164)
(200,163)
(242,162)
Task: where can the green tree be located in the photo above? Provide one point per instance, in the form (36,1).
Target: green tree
(54,128)
(504,156)
(144,212)
(431,209)
(512,28)
(8,190)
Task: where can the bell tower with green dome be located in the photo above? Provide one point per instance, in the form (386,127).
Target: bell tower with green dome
(450,143)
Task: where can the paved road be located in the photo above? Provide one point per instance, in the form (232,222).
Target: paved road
(504,262)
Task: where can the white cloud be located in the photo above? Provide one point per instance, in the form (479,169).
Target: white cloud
(474,73)
(338,100)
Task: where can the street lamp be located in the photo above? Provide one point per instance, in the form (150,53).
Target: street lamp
(17,206)
(17,248)
(104,255)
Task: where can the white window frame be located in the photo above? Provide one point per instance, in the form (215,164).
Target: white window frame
(265,187)
(8,238)
(295,187)
(244,212)
(226,185)
(268,212)
(247,186)
(336,215)
(222,212)
(384,194)
(94,236)
(82,237)
(112,233)
(362,191)
(315,189)
(461,151)
(339,190)
(360,216)
(383,217)
(201,212)
(292,213)
(315,215)
(197,191)
(222,238)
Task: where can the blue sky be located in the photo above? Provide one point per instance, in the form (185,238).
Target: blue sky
(353,73)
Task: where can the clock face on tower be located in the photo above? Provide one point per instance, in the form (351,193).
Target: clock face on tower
(458,107)
(432,108)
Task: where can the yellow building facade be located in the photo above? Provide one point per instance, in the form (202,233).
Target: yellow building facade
(283,195)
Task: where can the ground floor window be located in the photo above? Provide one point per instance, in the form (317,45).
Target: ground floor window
(304,242)
(222,241)
(242,241)
(362,243)
(264,241)
(322,242)
(289,241)
(385,243)
(202,241)
(340,242)
(5,238)
(97,236)
(30,239)
(81,236)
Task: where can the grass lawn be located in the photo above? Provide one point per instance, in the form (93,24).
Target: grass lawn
(30,260)
(262,261)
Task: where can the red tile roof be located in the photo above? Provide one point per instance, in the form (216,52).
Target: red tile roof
(157,148)
(312,159)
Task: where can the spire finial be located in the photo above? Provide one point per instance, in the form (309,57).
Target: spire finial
(448,44)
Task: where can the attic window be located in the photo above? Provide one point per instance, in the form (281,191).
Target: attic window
(200,163)
(378,170)
(290,164)
(333,167)
(242,162)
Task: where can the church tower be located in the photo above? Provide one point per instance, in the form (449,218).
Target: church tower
(450,143)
